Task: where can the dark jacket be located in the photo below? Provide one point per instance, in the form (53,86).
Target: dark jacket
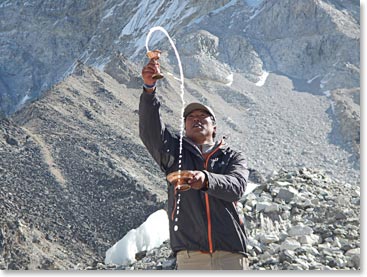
(207,219)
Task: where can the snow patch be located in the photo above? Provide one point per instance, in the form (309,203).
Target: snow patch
(151,234)
(249,188)
(229,4)
(325,79)
(256,13)
(229,79)
(109,13)
(327,93)
(28,3)
(142,20)
(6,4)
(25,99)
(101,63)
(312,79)
(263,78)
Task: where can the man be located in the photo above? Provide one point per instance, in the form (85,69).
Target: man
(205,229)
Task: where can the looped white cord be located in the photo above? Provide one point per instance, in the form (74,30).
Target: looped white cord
(151,31)
(159,28)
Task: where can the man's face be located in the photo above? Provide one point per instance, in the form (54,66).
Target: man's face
(200,127)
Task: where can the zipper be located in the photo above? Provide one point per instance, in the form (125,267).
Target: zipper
(174,204)
(207,205)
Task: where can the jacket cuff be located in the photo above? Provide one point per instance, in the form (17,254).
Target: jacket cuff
(206,182)
(149,90)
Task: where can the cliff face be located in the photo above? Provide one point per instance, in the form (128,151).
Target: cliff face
(307,40)
(41,40)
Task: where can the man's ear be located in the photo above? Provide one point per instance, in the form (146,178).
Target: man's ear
(214,131)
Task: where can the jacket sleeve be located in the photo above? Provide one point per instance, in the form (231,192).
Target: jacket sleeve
(152,131)
(231,185)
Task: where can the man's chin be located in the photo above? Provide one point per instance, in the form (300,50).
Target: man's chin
(197,136)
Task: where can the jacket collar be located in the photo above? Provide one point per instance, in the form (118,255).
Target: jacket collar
(195,148)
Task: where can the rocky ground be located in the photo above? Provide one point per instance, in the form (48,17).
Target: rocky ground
(346,107)
(299,220)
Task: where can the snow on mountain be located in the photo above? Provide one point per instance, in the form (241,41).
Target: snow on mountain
(150,234)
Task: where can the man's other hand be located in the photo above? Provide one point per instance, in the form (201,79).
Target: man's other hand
(197,179)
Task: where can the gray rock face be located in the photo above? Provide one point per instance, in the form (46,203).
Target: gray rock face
(199,52)
(41,41)
(242,57)
(305,39)
(347,110)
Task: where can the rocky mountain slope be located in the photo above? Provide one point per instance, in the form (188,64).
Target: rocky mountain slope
(75,177)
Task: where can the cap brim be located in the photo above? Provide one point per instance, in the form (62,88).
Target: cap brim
(197,106)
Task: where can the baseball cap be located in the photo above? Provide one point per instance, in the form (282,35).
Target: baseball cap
(197,106)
